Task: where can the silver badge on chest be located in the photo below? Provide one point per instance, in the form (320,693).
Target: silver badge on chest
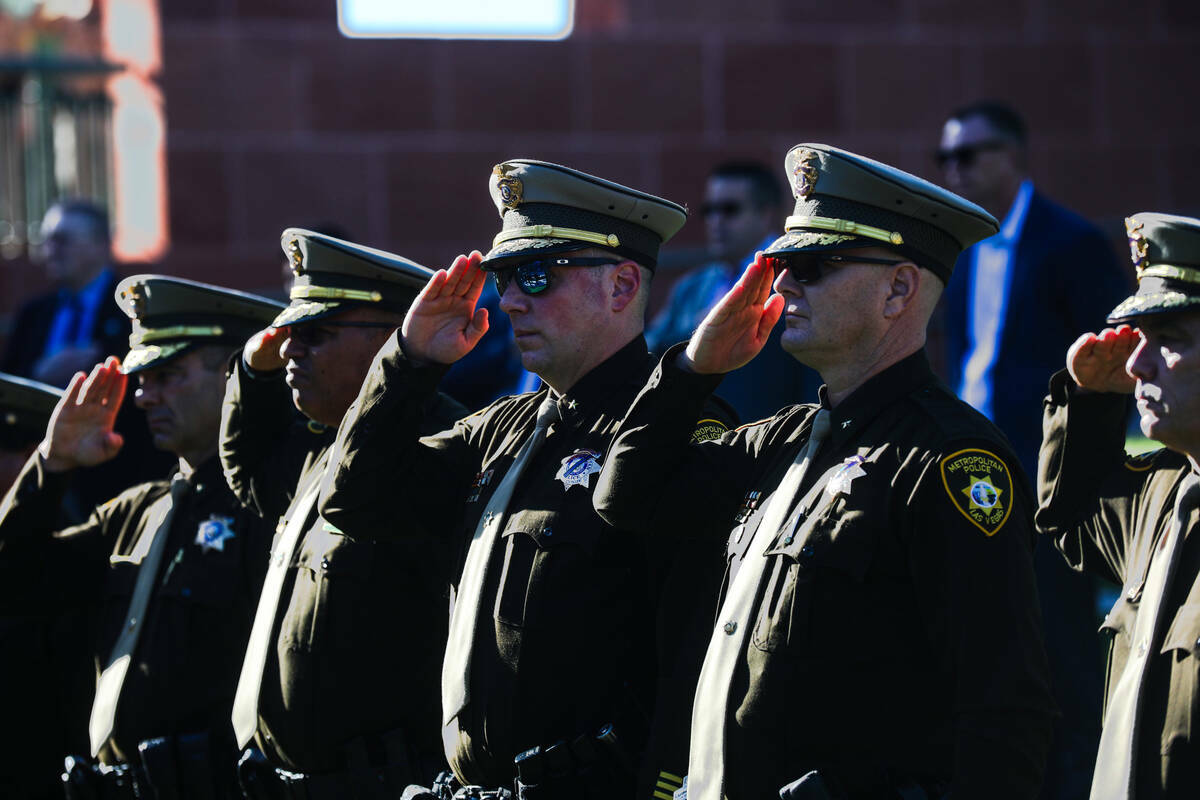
(578,468)
(214,532)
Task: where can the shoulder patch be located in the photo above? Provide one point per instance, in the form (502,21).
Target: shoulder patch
(707,429)
(979,484)
(1142,461)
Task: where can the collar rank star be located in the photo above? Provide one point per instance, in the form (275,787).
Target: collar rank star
(850,469)
(578,468)
(214,532)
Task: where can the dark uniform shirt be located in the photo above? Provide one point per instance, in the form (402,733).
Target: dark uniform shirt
(566,642)
(1107,513)
(188,655)
(360,625)
(897,628)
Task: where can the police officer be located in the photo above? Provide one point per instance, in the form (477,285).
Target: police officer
(879,626)
(550,656)
(339,680)
(174,566)
(43,692)
(1135,520)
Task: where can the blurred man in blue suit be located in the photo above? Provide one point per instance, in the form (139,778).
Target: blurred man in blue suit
(1016,300)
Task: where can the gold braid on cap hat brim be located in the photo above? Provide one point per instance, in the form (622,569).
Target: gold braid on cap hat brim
(1171,272)
(175,332)
(310,292)
(805,222)
(551,232)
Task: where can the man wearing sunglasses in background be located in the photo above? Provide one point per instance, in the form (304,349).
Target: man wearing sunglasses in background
(1016,300)
(742,204)
(879,623)
(549,672)
(338,686)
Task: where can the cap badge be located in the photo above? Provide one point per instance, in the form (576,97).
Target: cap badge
(1138,245)
(805,174)
(296,256)
(135,295)
(578,468)
(509,187)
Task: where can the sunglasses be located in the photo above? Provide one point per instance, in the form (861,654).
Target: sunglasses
(811,267)
(966,155)
(315,334)
(728,208)
(533,277)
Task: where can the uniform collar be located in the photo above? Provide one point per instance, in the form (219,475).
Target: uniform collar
(597,390)
(879,392)
(207,477)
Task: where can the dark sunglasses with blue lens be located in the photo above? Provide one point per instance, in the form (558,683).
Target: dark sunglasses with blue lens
(533,277)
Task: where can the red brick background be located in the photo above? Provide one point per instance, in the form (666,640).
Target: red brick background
(274,119)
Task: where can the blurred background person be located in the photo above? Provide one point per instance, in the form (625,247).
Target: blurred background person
(75,324)
(742,210)
(1015,302)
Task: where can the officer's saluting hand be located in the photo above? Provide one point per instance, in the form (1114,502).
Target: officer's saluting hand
(443,324)
(81,432)
(1096,361)
(737,328)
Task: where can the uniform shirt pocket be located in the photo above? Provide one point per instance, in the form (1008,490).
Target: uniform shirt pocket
(331,577)
(815,590)
(1182,647)
(543,552)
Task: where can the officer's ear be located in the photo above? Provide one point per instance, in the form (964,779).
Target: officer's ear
(626,281)
(904,285)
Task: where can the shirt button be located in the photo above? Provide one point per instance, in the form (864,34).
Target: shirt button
(1132,593)
(730,627)
(789,539)
(324,563)
(806,553)
(1142,648)
(548,532)
(132,623)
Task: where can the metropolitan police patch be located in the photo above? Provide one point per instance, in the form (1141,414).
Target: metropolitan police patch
(708,429)
(980,485)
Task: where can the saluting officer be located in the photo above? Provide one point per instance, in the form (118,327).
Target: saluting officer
(551,654)
(879,626)
(174,566)
(1136,520)
(47,689)
(339,681)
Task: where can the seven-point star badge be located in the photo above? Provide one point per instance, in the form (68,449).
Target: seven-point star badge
(577,468)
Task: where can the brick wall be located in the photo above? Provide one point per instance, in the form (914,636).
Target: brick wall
(275,119)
